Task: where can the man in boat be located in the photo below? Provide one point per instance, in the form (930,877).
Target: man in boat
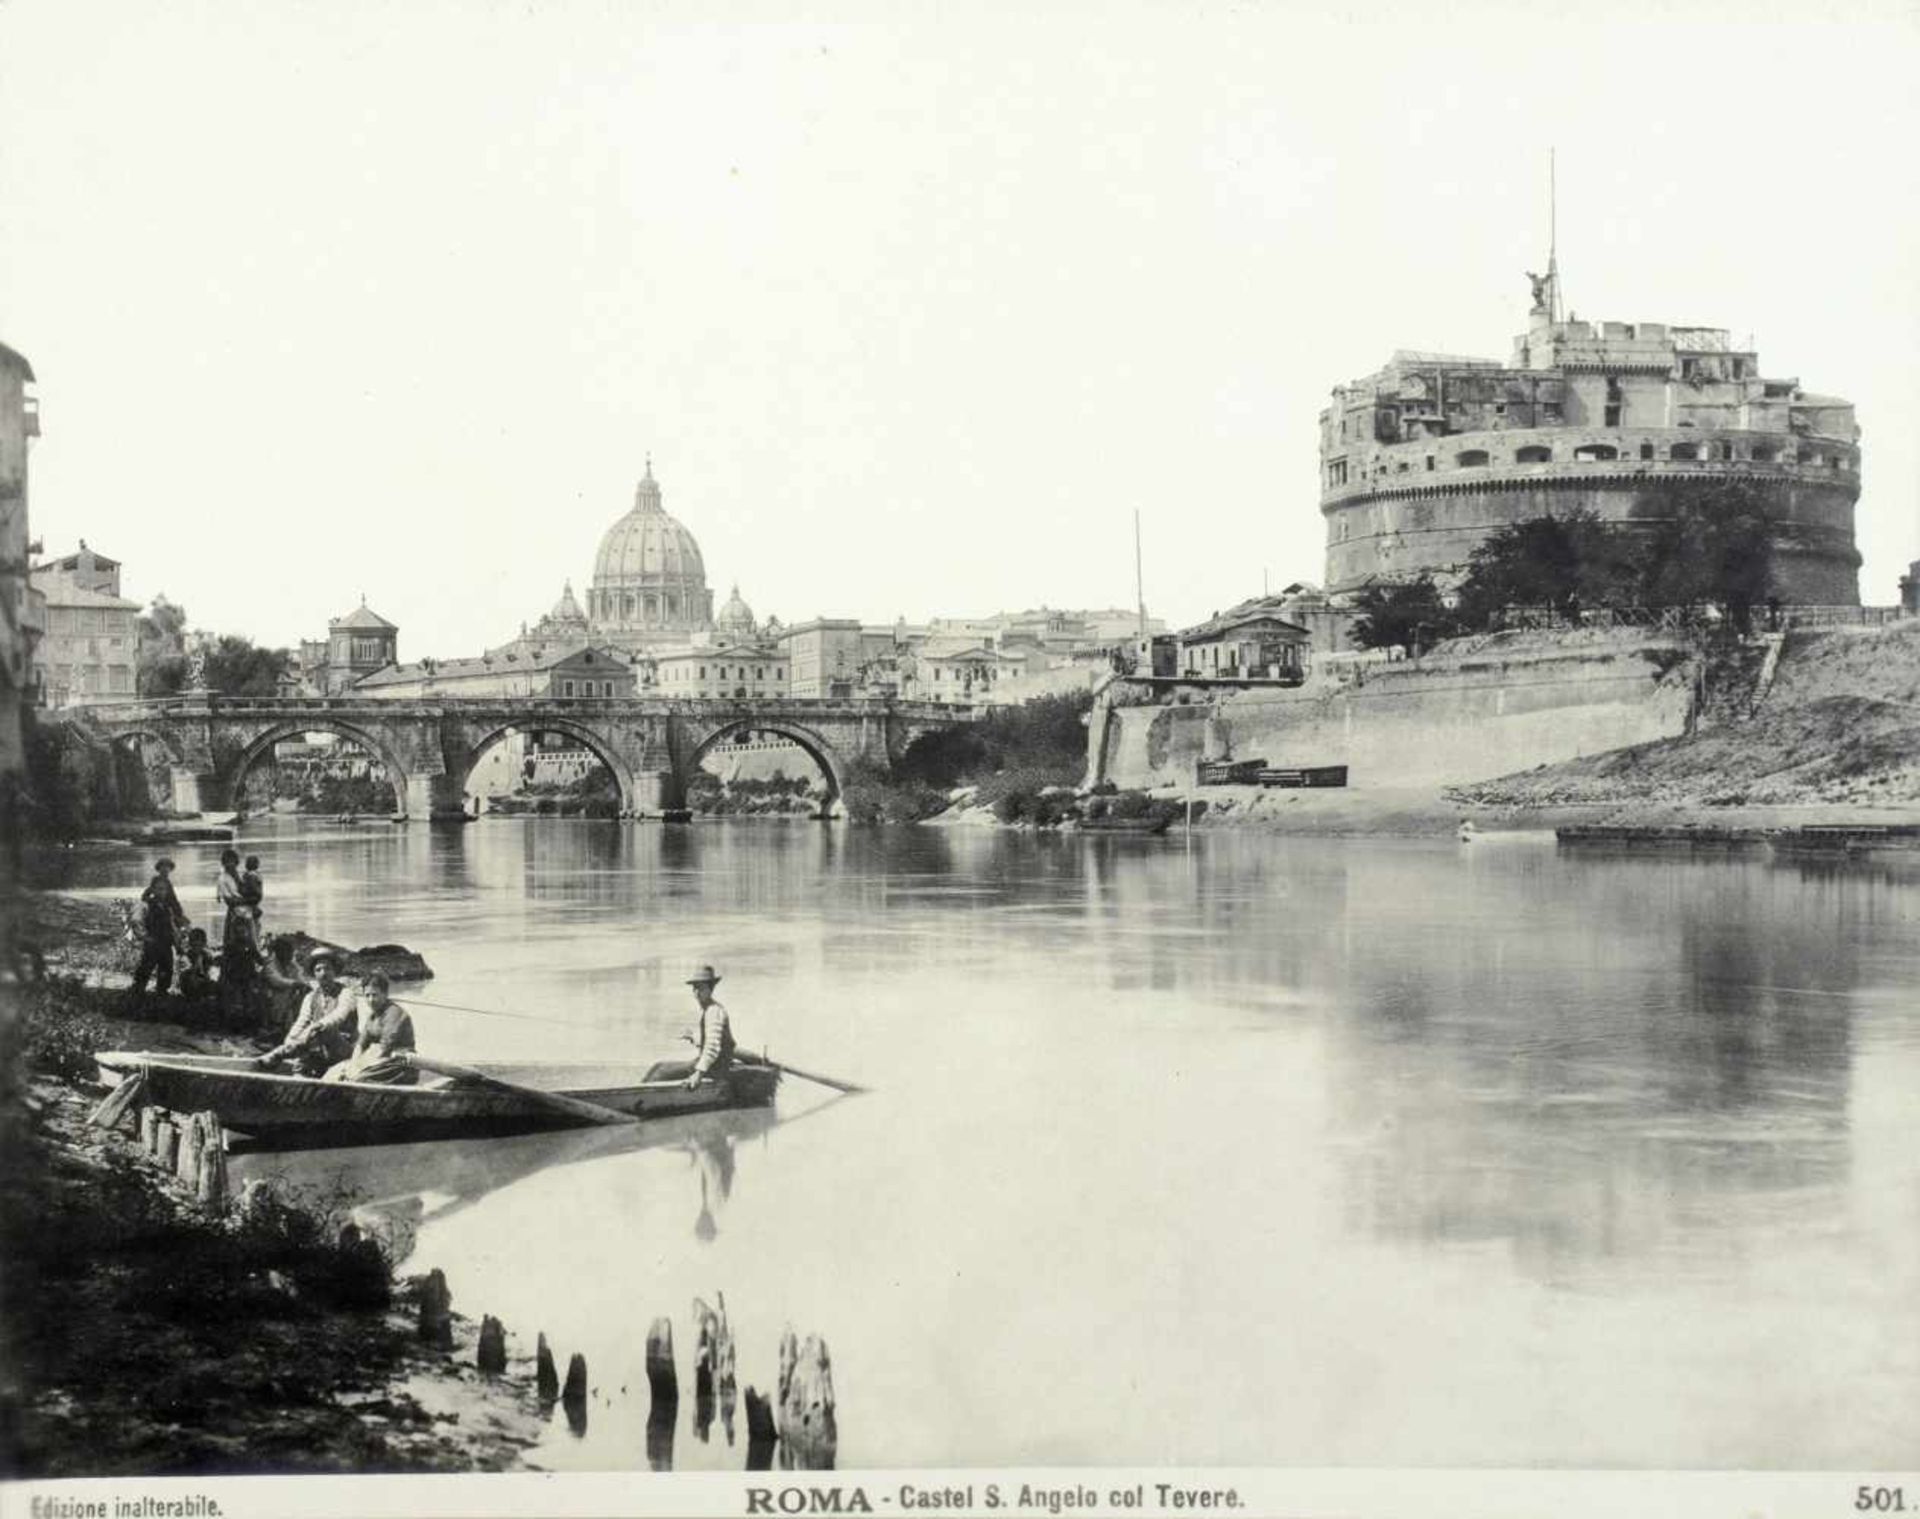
(384,1042)
(714,1037)
(328,1028)
(161,924)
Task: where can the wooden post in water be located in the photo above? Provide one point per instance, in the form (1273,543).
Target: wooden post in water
(806,1404)
(491,1357)
(193,1139)
(663,1385)
(546,1380)
(573,1397)
(149,1122)
(436,1310)
(706,1330)
(210,1177)
(662,1381)
(166,1144)
(760,1433)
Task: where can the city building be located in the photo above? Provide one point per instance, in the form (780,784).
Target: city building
(963,671)
(823,656)
(1421,460)
(356,646)
(90,649)
(22,615)
(721,669)
(580,673)
(1252,641)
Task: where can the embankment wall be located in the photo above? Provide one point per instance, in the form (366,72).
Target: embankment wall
(1436,722)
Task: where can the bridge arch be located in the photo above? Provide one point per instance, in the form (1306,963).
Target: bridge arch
(811,744)
(249,756)
(135,763)
(594,742)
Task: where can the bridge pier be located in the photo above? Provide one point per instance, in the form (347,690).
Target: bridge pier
(654,791)
(195,791)
(434,797)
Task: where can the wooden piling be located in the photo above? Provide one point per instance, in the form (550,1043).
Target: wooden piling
(662,1381)
(166,1144)
(193,1139)
(706,1330)
(546,1379)
(573,1396)
(210,1176)
(436,1310)
(149,1129)
(760,1433)
(807,1423)
(491,1357)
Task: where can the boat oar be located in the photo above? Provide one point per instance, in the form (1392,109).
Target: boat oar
(825,1081)
(572,1107)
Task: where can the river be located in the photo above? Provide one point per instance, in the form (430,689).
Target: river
(1236,1150)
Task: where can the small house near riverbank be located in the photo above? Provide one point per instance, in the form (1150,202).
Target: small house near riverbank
(1252,641)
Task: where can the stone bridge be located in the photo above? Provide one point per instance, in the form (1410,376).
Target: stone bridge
(429,747)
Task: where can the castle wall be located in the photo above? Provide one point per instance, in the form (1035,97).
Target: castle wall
(1439,722)
(1426,504)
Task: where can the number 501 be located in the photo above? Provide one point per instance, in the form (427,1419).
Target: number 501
(1881,1500)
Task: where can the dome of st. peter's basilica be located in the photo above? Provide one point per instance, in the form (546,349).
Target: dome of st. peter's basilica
(649,582)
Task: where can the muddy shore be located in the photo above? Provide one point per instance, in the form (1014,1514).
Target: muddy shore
(143,1333)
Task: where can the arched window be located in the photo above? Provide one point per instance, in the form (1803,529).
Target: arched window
(1533,453)
(1596,451)
(1470,458)
(1684,451)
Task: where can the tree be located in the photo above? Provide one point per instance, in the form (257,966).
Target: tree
(1404,613)
(238,667)
(162,669)
(1710,545)
(1561,563)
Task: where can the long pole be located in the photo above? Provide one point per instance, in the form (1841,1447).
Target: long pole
(1553,230)
(1139,579)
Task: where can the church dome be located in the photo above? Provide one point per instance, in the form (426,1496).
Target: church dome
(567,610)
(649,578)
(735,618)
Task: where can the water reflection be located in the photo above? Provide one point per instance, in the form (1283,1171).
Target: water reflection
(1436,1155)
(403,1187)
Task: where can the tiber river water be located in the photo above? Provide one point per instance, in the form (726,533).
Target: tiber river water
(1241,1149)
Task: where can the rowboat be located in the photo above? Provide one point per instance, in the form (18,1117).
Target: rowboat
(448,1101)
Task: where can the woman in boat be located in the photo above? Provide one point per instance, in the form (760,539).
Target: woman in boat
(386,1039)
(328,1027)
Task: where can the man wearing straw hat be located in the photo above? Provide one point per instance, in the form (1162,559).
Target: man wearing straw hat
(715,1037)
(328,1027)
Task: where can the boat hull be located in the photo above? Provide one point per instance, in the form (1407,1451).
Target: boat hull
(300,1109)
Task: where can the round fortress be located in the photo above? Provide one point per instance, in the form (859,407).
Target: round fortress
(1422,460)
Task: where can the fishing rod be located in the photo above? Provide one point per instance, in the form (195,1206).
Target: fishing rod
(493,1012)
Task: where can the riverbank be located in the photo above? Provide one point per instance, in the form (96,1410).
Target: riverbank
(143,1332)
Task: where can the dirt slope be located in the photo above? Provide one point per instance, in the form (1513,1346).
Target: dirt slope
(1840,725)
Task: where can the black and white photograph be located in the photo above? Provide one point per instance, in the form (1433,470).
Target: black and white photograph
(1018,760)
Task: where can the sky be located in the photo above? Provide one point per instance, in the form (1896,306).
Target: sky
(913,306)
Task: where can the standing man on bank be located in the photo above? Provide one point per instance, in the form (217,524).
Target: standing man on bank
(161,924)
